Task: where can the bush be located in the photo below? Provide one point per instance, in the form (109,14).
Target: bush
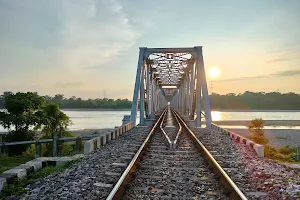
(67,149)
(20,135)
(287,150)
(285,154)
(256,127)
(7,162)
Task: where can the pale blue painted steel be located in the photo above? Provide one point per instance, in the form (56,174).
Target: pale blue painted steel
(198,95)
(192,85)
(142,98)
(137,85)
(148,90)
(204,88)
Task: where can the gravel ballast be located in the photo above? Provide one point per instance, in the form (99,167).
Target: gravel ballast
(88,179)
(258,178)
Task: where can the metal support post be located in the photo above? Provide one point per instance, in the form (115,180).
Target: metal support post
(38,149)
(55,139)
(198,97)
(137,86)
(78,144)
(142,99)
(202,78)
(192,85)
(148,90)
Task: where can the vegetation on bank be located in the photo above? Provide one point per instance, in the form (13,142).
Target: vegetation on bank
(243,101)
(256,101)
(18,187)
(7,162)
(283,154)
(25,114)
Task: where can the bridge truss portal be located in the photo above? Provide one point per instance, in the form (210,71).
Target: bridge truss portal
(174,75)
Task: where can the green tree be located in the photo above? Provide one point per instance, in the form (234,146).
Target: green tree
(54,122)
(23,111)
(256,127)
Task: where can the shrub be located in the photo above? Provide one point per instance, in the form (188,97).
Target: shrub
(256,127)
(19,135)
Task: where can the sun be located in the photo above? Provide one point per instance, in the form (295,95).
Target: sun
(214,72)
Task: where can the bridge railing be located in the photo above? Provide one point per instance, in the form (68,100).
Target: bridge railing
(259,149)
(58,146)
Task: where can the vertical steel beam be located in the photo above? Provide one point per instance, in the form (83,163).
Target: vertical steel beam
(192,85)
(152,95)
(198,96)
(202,77)
(137,85)
(148,90)
(142,98)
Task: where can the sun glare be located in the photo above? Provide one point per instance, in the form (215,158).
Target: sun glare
(214,72)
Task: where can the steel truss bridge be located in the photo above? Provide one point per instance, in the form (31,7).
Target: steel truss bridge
(174,75)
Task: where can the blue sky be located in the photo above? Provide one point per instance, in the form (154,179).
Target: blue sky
(86,47)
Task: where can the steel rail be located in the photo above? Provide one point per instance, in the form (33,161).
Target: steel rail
(168,141)
(236,193)
(119,187)
(179,131)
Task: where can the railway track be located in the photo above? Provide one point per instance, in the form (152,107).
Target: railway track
(173,164)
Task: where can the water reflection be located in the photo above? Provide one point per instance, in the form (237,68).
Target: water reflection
(216,115)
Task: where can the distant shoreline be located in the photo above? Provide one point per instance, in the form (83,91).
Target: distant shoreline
(232,110)
(129,109)
(95,109)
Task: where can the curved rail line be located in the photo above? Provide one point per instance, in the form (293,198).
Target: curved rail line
(225,180)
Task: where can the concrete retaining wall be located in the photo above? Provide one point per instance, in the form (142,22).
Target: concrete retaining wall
(100,141)
(259,149)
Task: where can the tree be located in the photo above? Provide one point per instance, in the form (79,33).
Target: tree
(23,111)
(54,122)
(256,127)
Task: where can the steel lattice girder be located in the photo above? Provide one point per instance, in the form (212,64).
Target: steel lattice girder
(169,67)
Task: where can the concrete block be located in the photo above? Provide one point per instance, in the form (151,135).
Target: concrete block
(104,139)
(29,169)
(98,142)
(108,137)
(62,160)
(77,156)
(259,150)
(116,134)
(88,146)
(35,164)
(2,182)
(20,173)
(8,177)
(44,161)
(112,135)
(248,142)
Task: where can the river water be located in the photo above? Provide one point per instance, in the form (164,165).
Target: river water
(97,119)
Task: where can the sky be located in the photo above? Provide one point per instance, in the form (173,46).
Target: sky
(89,48)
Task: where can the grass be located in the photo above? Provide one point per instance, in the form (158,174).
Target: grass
(7,162)
(18,187)
(283,154)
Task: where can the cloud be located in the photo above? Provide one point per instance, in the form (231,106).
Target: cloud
(279,60)
(68,84)
(69,34)
(95,32)
(285,73)
(285,54)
